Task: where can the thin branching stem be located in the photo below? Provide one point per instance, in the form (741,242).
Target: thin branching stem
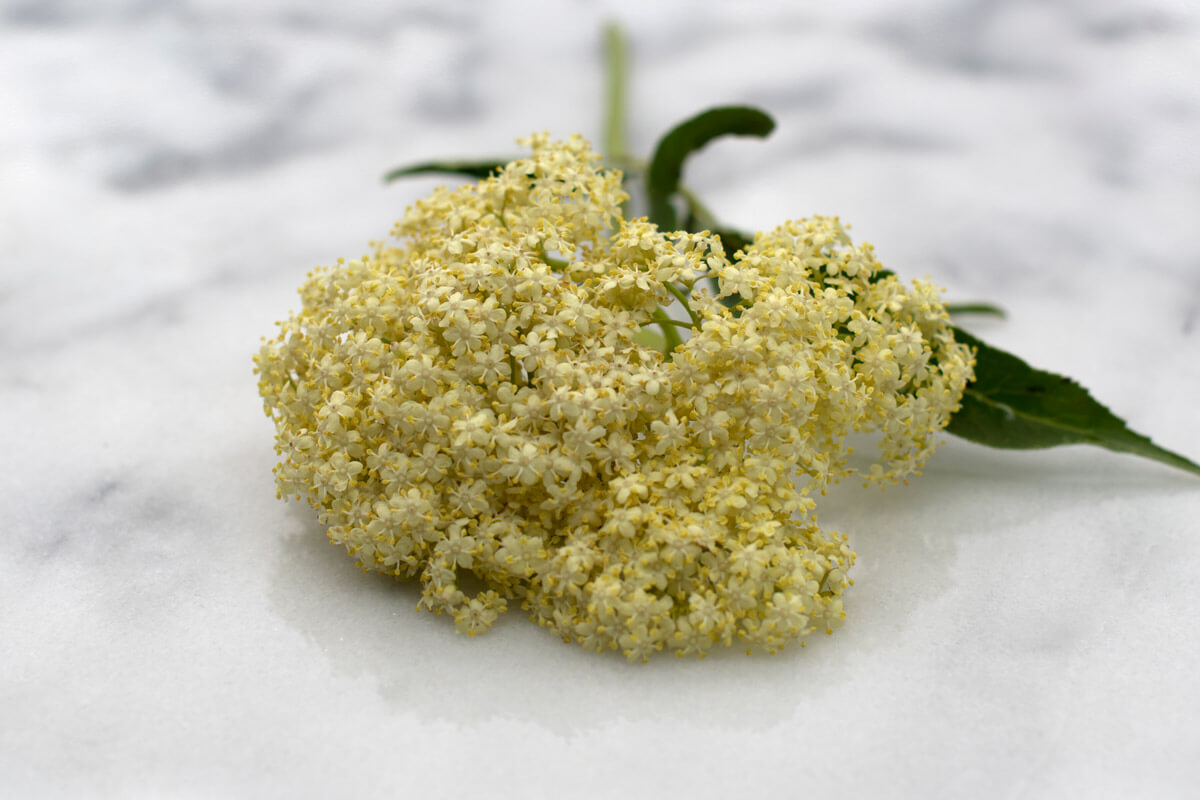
(682,298)
(670,335)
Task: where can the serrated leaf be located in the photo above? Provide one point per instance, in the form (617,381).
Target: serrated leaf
(662,180)
(1015,406)
(478,170)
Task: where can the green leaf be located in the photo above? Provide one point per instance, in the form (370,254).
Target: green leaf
(473,169)
(976,308)
(1015,406)
(662,180)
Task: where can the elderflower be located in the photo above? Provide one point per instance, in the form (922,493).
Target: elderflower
(471,399)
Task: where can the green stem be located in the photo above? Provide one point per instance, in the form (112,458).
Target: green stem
(631,165)
(670,335)
(697,209)
(682,298)
(616,58)
(550,261)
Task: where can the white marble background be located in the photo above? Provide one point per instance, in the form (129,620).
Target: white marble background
(1023,625)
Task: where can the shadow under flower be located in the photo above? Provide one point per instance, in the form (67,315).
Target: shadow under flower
(368,626)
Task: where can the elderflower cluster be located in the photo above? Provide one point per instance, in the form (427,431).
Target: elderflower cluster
(472,405)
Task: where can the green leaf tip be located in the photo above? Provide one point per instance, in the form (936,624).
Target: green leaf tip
(976,308)
(666,166)
(477,169)
(1012,405)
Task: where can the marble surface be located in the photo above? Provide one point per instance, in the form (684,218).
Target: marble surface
(1023,624)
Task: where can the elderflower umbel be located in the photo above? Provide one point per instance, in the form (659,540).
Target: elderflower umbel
(472,398)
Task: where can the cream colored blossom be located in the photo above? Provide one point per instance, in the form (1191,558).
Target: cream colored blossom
(471,398)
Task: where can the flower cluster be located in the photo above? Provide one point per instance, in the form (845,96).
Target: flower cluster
(474,404)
